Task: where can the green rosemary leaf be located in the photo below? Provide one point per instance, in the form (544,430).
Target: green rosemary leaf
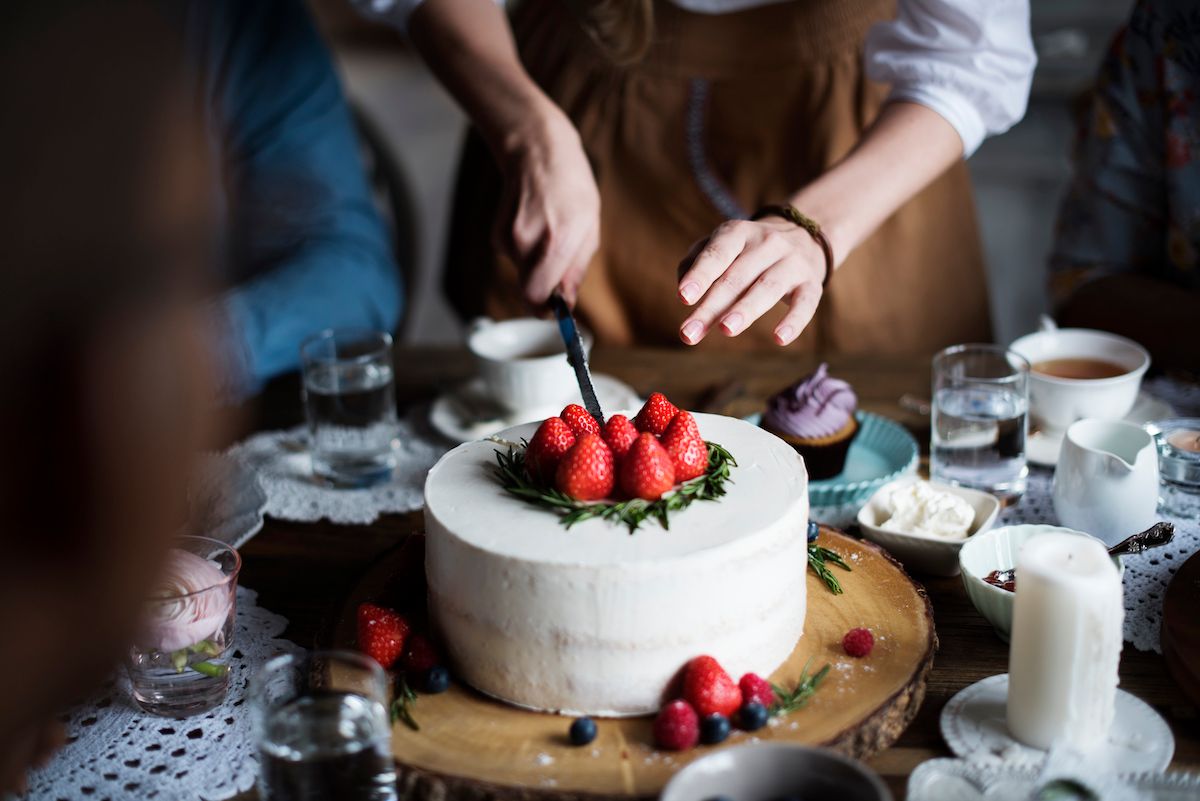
(817,557)
(403,703)
(788,701)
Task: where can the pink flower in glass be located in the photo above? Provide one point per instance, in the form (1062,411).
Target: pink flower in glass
(184,610)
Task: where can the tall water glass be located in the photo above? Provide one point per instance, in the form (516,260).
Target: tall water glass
(350,403)
(980,419)
(322,728)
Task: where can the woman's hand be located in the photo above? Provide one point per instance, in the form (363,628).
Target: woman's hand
(549,216)
(742,270)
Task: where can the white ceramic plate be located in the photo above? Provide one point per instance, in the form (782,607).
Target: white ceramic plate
(974,727)
(923,553)
(1043,447)
(455,414)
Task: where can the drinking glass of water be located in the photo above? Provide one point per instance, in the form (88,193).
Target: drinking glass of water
(350,403)
(980,411)
(322,728)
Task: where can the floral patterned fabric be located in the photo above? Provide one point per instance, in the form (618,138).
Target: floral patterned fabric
(1134,204)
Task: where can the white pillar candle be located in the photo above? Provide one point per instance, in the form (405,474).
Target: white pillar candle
(1066,642)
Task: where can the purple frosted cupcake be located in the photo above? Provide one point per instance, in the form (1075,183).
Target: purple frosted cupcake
(816,417)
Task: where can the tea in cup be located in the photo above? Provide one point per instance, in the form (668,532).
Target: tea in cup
(523,363)
(1079,373)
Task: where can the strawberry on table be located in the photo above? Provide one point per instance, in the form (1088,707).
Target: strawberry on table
(646,471)
(677,727)
(586,472)
(656,415)
(580,420)
(381,633)
(709,689)
(689,454)
(619,433)
(550,443)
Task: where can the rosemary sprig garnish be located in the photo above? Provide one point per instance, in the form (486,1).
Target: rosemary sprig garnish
(510,470)
(817,559)
(788,701)
(403,703)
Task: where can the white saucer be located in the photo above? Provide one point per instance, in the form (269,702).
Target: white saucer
(1043,446)
(451,413)
(973,725)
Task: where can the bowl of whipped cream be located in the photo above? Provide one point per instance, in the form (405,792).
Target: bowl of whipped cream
(924,523)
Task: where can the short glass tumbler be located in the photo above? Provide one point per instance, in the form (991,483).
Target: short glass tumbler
(350,403)
(322,729)
(980,419)
(179,664)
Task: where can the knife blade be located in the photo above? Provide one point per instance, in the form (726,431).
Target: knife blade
(576,355)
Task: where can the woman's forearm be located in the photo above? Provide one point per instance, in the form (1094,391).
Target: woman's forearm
(469,46)
(906,148)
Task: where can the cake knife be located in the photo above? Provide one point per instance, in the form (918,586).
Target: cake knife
(576,355)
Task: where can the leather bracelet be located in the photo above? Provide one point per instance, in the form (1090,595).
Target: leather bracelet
(794,215)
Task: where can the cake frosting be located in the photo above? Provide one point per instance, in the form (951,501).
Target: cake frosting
(595,620)
(818,406)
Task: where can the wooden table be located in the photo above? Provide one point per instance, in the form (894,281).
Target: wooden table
(303,570)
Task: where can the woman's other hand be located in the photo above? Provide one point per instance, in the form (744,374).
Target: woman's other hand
(549,217)
(742,270)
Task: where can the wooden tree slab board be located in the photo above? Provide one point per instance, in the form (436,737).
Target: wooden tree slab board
(1181,628)
(474,748)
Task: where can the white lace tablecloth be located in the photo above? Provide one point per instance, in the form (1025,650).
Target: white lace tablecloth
(285,470)
(1146,574)
(116,751)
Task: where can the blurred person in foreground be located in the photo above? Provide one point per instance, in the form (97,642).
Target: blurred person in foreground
(104,221)
(303,246)
(1127,254)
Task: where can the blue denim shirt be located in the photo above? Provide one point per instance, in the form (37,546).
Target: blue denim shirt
(303,246)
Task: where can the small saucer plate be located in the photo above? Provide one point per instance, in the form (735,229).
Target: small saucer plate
(1043,446)
(882,452)
(466,413)
(960,780)
(973,725)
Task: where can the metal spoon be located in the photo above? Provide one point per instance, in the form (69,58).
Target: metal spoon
(1157,535)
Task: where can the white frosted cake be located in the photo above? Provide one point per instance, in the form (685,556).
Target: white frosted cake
(596,620)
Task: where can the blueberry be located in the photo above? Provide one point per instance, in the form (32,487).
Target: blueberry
(813,530)
(714,729)
(437,680)
(583,731)
(752,716)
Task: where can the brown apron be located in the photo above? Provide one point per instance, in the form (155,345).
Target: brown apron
(724,114)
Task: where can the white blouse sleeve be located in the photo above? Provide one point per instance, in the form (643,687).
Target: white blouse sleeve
(971,61)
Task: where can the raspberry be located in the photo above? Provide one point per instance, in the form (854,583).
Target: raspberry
(858,642)
(755,688)
(677,728)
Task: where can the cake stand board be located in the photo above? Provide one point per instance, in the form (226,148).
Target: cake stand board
(472,747)
(1180,637)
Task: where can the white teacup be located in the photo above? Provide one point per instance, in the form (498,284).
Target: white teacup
(523,362)
(1056,403)
(1106,481)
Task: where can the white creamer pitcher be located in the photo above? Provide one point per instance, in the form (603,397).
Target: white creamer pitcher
(1106,482)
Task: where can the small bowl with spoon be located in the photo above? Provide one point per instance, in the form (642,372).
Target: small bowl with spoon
(988,561)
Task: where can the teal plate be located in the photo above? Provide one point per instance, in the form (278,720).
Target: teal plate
(882,451)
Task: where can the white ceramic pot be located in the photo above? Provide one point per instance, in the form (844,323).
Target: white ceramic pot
(1106,482)
(1056,403)
(523,362)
